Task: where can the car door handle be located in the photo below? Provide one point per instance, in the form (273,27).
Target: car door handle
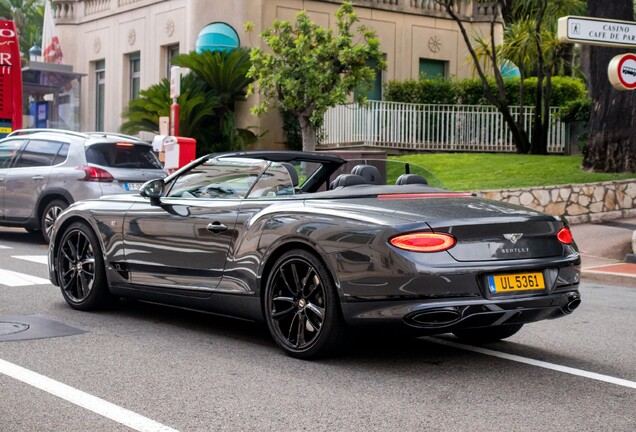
(37,177)
(216,227)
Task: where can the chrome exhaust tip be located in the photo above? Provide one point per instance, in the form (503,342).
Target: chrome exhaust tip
(436,317)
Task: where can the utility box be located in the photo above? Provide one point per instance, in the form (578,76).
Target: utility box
(179,151)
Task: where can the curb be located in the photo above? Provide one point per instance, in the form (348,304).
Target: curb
(609,278)
(620,273)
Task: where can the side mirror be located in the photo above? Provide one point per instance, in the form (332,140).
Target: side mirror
(152,189)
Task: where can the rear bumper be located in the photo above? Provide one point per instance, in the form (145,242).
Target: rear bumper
(447,315)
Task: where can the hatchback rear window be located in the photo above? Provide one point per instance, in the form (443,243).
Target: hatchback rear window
(122,155)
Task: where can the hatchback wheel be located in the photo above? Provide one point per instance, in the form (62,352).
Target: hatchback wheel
(301,306)
(80,269)
(49,216)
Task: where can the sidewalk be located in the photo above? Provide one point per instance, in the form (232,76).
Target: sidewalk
(603,248)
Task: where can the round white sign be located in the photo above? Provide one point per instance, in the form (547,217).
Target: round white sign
(622,72)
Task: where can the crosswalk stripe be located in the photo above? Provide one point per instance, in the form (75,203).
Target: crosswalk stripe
(40,259)
(13,279)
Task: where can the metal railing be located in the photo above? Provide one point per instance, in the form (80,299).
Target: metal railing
(406,126)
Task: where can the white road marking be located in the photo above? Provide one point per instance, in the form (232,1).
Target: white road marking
(40,259)
(5,247)
(11,278)
(538,363)
(83,399)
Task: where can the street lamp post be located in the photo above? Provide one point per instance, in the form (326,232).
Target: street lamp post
(35,52)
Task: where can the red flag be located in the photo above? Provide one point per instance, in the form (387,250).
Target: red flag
(51,50)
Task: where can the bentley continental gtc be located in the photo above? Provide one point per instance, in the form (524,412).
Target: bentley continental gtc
(314,245)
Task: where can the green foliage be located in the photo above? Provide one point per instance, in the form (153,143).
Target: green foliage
(308,69)
(197,106)
(294,139)
(208,93)
(470,91)
(223,71)
(577,110)
(28,16)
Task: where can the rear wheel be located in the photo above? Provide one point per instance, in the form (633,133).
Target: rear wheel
(488,334)
(49,216)
(80,269)
(301,306)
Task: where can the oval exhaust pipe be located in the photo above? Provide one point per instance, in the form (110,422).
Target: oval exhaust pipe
(436,317)
(572,304)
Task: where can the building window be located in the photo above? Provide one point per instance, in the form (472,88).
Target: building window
(169,53)
(373,91)
(433,69)
(134,75)
(100,94)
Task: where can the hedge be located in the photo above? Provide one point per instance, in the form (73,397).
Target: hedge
(470,91)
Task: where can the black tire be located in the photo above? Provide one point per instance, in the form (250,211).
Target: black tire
(49,216)
(488,334)
(301,306)
(80,269)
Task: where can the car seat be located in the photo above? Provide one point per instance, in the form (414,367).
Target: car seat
(344,180)
(368,172)
(405,179)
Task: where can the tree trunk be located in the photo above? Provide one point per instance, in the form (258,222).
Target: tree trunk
(499,100)
(308,132)
(611,144)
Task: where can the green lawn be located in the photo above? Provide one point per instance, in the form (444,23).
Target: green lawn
(479,171)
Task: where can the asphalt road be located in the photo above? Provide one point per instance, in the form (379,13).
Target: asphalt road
(148,367)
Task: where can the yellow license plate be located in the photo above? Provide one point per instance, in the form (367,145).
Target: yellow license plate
(515,282)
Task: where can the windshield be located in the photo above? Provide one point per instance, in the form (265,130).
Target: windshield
(122,155)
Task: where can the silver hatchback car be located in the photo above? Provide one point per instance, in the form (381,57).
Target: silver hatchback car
(43,171)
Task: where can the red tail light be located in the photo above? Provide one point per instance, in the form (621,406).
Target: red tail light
(423,242)
(95,174)
(565,236)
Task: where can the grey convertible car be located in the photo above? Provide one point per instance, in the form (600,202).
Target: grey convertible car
(313,244)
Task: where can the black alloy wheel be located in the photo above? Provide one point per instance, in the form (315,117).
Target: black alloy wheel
(487,334)
(301,306)
(50,214)
(80,269)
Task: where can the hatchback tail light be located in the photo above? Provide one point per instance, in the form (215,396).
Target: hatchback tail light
(95,174)
(565,236)
(424,242)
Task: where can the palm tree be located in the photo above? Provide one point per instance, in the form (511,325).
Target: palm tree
(215,82)
(197,106)
(225,73)
(532,42)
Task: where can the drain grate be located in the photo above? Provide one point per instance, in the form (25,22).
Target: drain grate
(25,327)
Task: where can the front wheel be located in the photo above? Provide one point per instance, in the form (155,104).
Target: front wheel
(80,269)
(301,306)
(488,334)
(49,216)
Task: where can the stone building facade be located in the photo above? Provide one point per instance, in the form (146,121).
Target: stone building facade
(124,45)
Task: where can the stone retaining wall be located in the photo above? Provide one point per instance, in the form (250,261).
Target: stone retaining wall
(582,203)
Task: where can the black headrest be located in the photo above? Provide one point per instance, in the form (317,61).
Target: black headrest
(369,172)
(344,180)
(410,179)
(292,172)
